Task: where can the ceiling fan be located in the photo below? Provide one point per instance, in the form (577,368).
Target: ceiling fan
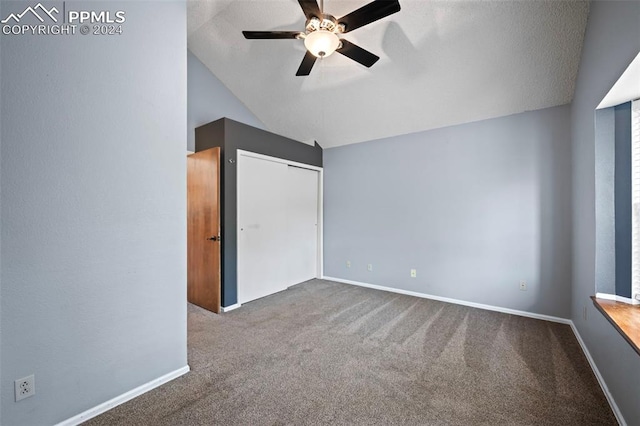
(322,35)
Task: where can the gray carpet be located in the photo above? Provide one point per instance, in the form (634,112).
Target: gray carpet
(328,353)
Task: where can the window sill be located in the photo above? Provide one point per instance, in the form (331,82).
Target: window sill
(624,317)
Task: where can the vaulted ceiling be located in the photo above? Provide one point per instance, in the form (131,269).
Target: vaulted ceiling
(442,63)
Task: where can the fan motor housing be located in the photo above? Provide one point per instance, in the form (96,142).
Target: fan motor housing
(327,23)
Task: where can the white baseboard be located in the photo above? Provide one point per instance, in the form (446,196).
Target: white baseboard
(114,402)
(603,385)
(230,307)
(454,301)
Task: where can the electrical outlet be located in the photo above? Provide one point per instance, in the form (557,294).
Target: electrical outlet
(348,264)
(369,267)
(25,387)
(414,273)
(523,285)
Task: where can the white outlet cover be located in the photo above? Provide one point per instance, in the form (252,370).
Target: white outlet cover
(25,387)
(414,273)
(369,267)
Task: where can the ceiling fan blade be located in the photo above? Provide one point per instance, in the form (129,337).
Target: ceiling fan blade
(306,65)
(357,53)
(268,35)
(369,13)
(310,8)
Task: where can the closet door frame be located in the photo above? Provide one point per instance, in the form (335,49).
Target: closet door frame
(244,154)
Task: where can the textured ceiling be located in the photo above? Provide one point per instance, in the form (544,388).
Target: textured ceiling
(441,63)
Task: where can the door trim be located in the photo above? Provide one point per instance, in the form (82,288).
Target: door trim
(320,258)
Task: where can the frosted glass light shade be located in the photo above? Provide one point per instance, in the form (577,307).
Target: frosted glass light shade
(321,43)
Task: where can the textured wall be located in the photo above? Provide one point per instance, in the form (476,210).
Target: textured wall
(612,40)
(93,213)
(474,208)
(209,99)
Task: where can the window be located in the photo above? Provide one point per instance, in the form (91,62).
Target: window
(618,204)
(635,198)
(617,167)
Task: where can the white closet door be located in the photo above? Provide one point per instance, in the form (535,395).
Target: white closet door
(262,237)
(302,224)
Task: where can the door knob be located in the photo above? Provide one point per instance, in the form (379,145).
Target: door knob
(215,238)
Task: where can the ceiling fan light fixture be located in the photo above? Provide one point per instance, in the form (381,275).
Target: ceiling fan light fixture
(323,32)
(321,43)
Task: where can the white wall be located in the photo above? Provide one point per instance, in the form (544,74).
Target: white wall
(209,100)
(475,208)
(612,40)
(93,229)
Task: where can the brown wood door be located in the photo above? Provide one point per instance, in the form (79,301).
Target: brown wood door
(203,229)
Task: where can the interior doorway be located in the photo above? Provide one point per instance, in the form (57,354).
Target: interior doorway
(203,229)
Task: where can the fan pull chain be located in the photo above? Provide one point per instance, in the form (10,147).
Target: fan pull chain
(323,96)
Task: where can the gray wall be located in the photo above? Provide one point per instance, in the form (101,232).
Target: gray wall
(612,40)
(474,208)
(209,100)
(605,211)
(93,213)
(623,206)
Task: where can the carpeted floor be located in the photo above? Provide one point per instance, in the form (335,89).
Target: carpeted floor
(328,353)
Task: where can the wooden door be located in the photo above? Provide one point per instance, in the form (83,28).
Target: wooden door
(203,229)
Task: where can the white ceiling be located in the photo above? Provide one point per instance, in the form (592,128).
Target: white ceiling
(442,62)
